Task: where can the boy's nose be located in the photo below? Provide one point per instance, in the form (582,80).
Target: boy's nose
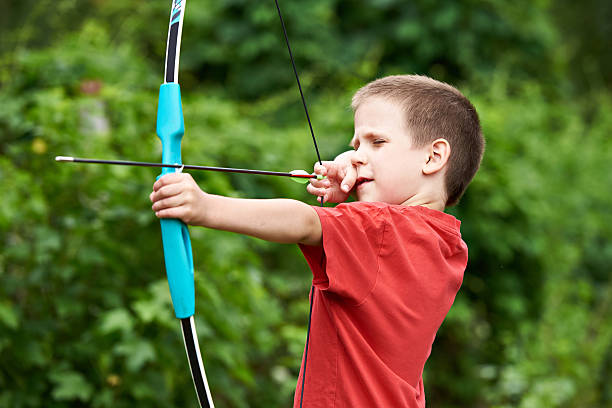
(358,158)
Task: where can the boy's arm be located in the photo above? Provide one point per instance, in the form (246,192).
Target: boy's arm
(278,220)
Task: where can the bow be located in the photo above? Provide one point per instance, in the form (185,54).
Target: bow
(175,235)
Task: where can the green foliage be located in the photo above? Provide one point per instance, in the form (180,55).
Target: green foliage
(85,314)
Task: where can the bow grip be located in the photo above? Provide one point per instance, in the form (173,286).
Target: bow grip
(175,235)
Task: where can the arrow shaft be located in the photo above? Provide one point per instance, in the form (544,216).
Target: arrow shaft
(186,166)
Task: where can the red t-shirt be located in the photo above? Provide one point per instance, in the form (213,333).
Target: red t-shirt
(388,279)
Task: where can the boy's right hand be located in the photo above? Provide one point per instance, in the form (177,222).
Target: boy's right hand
(340,179)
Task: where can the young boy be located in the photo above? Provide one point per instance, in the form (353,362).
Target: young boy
(386,267)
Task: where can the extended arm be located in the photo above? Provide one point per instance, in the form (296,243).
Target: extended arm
(277,220)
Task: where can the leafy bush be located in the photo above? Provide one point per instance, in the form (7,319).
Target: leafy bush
(85,315)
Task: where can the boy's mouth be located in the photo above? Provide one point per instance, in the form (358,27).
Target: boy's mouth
(361,181)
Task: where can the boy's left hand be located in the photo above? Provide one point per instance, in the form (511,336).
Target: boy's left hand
(176,195)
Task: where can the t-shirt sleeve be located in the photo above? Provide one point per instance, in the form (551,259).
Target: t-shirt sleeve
(348,261)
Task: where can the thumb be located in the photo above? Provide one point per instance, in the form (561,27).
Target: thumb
(349,179)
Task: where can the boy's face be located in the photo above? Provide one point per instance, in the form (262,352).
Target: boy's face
(389,169)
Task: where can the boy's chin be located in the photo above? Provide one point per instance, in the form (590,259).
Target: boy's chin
(364,192)
(367,198)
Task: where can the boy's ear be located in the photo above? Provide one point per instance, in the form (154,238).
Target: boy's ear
(439,152)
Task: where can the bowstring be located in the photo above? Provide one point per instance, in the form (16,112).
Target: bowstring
(314,141)
(297,78)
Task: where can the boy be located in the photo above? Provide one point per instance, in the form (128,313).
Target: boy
(387,267)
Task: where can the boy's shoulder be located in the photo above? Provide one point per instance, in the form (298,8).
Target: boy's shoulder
(380,207)
(401,216)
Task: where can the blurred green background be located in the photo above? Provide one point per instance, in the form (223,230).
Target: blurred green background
(85,315)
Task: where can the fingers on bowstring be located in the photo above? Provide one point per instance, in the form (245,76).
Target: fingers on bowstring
(316,183)
(321,168)
(317,190)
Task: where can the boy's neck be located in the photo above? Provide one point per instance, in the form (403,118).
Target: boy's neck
(429,202)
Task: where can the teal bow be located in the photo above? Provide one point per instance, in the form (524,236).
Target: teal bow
(175,235)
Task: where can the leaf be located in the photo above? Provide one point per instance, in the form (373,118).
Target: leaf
(70,385)
(116,320)
(8,316)
(137,353)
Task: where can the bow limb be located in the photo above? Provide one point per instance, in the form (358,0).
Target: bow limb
(175,235)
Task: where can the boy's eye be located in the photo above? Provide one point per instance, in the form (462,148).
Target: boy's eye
(379,141)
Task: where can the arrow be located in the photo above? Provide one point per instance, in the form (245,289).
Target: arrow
(299,176)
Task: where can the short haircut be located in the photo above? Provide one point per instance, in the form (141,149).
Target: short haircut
(433,110)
